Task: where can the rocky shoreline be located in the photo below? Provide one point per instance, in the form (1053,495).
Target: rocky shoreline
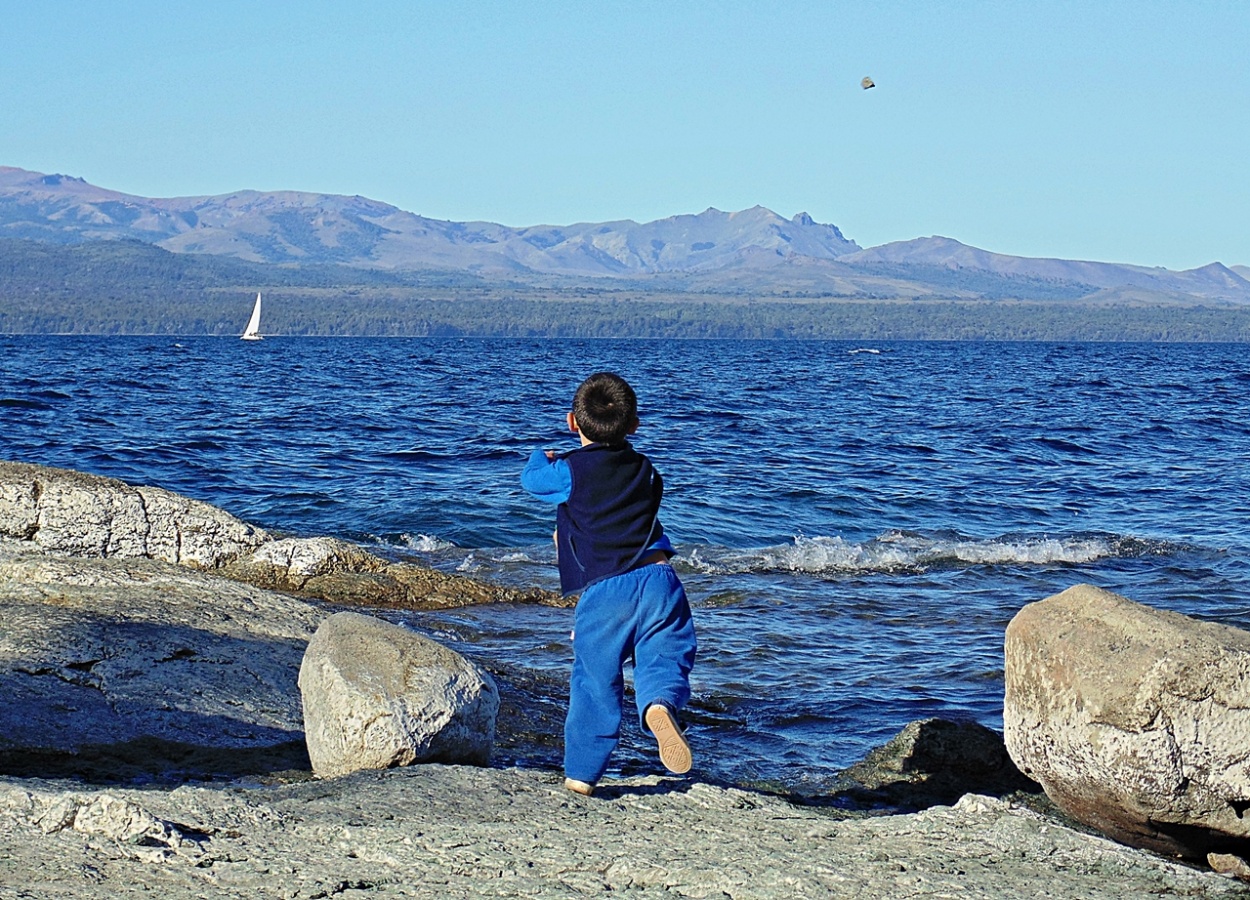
(452,831)
(152,742)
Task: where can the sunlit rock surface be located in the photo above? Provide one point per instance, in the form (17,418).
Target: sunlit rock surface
(377,695)
(1135,720)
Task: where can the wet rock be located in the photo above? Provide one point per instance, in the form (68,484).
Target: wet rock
(1136,721)
(295,560)
(377,695)
(341,572)
(77,514)
(934,761)
(108,663)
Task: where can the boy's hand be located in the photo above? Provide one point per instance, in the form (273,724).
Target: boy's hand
(551,454)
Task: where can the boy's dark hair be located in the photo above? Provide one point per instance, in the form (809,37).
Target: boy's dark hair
(605,407)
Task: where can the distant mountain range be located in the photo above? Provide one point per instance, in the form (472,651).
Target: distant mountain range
(754,250)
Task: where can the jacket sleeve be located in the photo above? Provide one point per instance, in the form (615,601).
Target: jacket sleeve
(550,480)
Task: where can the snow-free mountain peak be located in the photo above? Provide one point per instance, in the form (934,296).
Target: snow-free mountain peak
(740,251)
(297,226)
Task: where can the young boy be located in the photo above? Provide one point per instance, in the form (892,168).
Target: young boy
(612,550)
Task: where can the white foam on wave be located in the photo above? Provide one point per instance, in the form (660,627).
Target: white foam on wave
(1006,550)
(490,557)
(425,543)
(513,556)
(1039,551)
(902,551)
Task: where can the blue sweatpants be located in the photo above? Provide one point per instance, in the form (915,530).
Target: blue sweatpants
(642,613)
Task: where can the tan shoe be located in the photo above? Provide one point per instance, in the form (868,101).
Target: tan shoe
(579,787)
(674,751)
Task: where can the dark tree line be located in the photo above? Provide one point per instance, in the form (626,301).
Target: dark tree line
(125,287)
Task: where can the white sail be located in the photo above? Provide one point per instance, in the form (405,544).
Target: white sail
(252,332)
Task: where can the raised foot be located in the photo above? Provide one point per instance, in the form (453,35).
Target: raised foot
(674,751)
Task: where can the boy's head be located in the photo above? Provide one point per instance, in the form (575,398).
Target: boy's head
(605,409)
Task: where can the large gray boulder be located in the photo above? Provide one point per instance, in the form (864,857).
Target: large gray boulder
(377,695)
(1136,721)
(77,514)
(125,666)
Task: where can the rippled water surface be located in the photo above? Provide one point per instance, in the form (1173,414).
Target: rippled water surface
(857,523)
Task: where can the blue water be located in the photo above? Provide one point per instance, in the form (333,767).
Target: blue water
(857,523)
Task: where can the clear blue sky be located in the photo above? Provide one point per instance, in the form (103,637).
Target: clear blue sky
(1116,131)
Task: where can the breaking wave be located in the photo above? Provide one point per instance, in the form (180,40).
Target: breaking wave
(898,551)
(424,543)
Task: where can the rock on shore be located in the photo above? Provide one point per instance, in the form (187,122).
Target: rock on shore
(122,656)
(124,653)
(113,664)
(377,695)
(341,572)
(77,514)
(434,831)
(1135,720)
(68,513)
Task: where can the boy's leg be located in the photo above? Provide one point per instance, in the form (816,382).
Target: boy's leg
(663,657)
(596,688)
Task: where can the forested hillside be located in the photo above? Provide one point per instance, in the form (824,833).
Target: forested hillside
(127,287)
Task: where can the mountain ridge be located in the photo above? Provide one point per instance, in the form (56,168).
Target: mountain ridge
(748,250)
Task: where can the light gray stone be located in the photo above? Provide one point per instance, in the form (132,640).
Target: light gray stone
(377,695)
(1135,720)
(76,514)
(293,559)
(115,663)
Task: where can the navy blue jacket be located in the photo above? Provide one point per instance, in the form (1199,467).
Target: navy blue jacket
(611,516)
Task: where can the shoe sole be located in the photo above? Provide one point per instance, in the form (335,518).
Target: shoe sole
(674,751)
(579,787)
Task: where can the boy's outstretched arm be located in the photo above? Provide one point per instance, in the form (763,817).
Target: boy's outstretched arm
(547,478)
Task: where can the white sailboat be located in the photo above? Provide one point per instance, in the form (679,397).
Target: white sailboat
(252,332)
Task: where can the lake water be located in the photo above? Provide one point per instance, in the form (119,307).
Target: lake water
(856,523)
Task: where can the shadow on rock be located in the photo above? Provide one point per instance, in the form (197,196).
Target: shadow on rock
(155,761)
(667,785)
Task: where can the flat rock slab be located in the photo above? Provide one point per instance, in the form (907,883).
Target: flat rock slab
(67,513)
(447,831)
(137,658)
